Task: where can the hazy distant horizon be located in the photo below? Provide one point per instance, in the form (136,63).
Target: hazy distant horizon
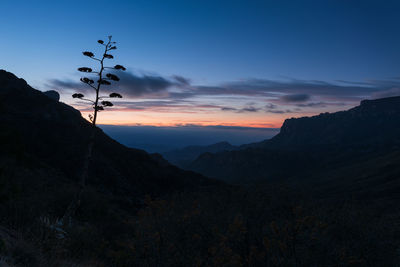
(160,139)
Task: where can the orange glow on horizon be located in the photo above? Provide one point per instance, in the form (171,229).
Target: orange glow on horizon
(148,118)
(174,115)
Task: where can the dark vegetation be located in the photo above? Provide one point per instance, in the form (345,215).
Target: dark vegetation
(331,205)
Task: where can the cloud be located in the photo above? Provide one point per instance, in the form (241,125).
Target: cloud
(133,85)
(165,106)
(178,94)
(276,111)
(228,109)
(270,106)
(181,80)
(287,91)
(271,88)
(249,109)
(387,93)
(130,85)
(241,110)
(312,105)
(295,98)
(290,90)
(320,104)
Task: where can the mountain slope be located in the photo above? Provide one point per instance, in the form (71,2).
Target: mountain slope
(42,145)
(54,134)
(373,122)
(312,148)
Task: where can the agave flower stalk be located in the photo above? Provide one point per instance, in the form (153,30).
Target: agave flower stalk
(98,104)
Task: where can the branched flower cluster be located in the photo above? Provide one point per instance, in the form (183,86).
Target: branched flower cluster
(103,79)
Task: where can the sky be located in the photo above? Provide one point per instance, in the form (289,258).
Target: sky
(210,63)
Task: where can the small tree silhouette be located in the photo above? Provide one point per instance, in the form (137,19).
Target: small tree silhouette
(99,103)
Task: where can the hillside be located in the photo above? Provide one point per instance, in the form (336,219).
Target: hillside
(312,148)
(138,210)
(55,134)
(373,122)
(42,145)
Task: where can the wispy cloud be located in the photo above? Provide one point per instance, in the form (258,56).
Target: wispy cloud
(177,93)
(395,91)
(295,98)
(293,91)
(130,85)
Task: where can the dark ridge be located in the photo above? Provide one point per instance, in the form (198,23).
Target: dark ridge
(373,121)
(55,135)
(329,144)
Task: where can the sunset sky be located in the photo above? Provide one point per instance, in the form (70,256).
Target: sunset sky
(218,63)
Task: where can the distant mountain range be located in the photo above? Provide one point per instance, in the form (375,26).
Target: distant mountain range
(342,149)
(183,157)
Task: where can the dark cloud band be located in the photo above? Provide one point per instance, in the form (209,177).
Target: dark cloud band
(283,96)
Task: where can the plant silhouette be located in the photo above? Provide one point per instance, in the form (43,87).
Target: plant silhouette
(99,104)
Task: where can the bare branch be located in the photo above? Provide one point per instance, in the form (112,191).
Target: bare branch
(92,87)
(88,100)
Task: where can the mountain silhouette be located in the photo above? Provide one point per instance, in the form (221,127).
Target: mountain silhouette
(40,133)
(373,122)
(358,148)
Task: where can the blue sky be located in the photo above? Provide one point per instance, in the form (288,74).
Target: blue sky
(208,41)
(246,63)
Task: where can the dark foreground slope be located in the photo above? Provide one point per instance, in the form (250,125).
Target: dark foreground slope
(42,143)
(54,135)
(358,149)
(186,219)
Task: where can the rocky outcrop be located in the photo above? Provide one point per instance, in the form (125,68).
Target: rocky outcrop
(372,122)
(53,95)
(306,146)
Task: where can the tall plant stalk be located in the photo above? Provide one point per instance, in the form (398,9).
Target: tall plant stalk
(98,105)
